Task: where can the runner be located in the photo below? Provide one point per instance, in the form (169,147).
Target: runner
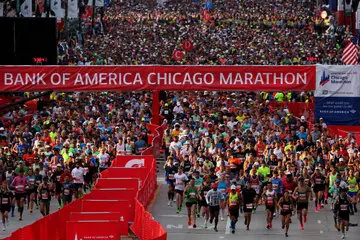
(31,191)
(191,194)
(255,184)
(67,190)
(5,201)
(44,196)
(56,180)
(234,207)
(198,183)
(353,191)
(342,204)
(213,198)
(78,175)
(301,195)
(277,185)
(249,200)
(286,206)
(180,179)
(319,187)
(270,197)
(170,171)
(334,192)
(222,188)
(38,180)
(204,206)
(19,183)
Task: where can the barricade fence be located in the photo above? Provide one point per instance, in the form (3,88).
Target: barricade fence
(58,225)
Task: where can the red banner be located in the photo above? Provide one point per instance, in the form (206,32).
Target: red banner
(115,216)
(133,161)
(118,183)
(131,78)
(92,230)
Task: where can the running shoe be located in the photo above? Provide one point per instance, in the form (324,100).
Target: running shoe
(286,235)
(247,228)
(4,229)
(194,226)
(20,218)
(215,229)
(189,222)
(301,227)
(222,219)
(347,227)
(343,236)
(171,203)
(178,211)
(253,211)
(167,204)
(316,209)
(268,226)
(233,231)
(205,225)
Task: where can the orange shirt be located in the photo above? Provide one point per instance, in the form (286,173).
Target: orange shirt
(234,163)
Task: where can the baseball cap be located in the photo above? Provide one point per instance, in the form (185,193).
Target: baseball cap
(58,165)
(341,160)
(337,181)
(233,187)
(214,185)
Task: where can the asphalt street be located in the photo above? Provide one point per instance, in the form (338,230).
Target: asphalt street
(319,225)
(28,218)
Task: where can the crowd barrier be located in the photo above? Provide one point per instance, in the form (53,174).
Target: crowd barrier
(125,192)
(298,109)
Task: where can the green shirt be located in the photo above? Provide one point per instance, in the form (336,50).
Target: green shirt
(265,171)
(26,169)
(191,195)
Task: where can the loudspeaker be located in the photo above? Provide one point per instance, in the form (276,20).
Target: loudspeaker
(28,41)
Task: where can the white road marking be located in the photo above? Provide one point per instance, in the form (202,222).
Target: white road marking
(174,216)
(319,221)
(227,229)
(180,226)
(221,237)
(321,232)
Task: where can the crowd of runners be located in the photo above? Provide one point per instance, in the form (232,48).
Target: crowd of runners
(59,150)
(232,153)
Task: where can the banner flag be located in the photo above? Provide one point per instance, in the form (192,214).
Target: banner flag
(132,78)
(337,94)
(73,9)
(26,8)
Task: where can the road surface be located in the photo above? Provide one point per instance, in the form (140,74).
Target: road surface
(319,225)
(28,218)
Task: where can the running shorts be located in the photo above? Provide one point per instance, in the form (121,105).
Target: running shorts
(19,196)
(214,209)
(189,204)
(181,192)
(301,206)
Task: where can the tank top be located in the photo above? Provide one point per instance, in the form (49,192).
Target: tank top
(204,191)
(191,195)
(45,194)
(233,200)
(222,187)
(332,179)
(285,205)
(352,184)
(270,201)
(318,180)
(343,205)
(302,195)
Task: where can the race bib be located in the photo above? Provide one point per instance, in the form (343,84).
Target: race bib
(352,186)
(171,176)
(20,187)
(343,207)
(38,182)
(58,178)
(302,196)
(5,201)
(270,201)
(66,192)
(222,190)
(306,181)
(86,170)
(286,207)
(233,203)
(275,186)
(238,186)
(249,206)
(192,195)
(318,181)
(205,192)
(255,186)
(32,181)
(44,196)
(290,192)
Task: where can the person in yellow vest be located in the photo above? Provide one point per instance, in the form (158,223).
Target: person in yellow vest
(234,207)
(279,96)
(264,95)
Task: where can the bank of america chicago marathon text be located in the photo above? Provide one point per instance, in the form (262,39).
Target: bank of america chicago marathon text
(153,78)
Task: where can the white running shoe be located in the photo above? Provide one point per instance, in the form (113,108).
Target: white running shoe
(4,228)
(169,202)
(222,219)
(343,236)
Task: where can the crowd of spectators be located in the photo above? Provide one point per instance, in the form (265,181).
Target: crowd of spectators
(239,32)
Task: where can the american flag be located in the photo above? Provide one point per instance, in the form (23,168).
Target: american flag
(350,54)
